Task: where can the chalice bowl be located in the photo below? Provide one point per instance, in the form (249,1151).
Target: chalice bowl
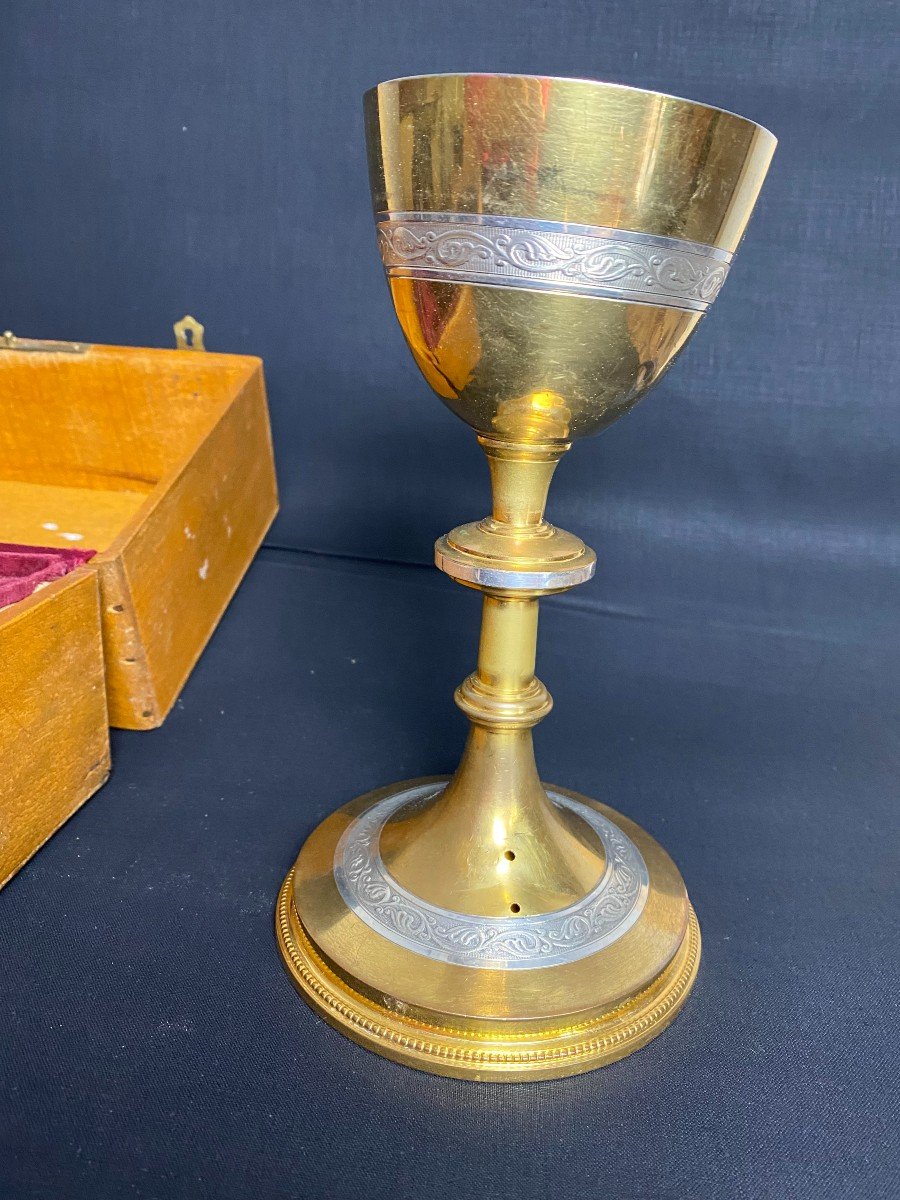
(550,245)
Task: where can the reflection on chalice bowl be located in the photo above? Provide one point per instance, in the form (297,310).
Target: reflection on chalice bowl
(550,246)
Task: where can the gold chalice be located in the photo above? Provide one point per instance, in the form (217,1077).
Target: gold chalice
(550,246)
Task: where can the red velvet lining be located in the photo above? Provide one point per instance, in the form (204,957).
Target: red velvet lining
(22,568)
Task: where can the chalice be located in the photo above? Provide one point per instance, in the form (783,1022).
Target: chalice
(550,245)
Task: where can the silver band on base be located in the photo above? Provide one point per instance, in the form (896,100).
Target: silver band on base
(604,915)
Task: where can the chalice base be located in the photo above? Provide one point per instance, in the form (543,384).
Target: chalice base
(422,988)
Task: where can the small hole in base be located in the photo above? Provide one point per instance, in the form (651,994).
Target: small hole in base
(514,908)
(509,855)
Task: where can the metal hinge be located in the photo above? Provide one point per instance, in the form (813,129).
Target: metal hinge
(9,341)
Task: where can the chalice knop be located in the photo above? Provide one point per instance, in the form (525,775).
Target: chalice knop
(550,246)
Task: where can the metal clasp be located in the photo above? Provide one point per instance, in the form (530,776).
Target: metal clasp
(188,334)
(9,341)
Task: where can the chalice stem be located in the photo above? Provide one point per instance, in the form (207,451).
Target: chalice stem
(496,788)
(520,480)
(495,804)
(502,698)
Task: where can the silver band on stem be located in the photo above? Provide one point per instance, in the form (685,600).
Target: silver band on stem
(554,256)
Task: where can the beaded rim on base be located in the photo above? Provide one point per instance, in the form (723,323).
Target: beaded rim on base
(469,1055)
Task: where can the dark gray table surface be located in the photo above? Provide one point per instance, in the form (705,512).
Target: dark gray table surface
(151,1045)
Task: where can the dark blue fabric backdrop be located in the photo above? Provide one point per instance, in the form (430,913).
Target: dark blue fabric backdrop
(729,679)
(162,157)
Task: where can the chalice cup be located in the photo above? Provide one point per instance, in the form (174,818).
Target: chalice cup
(550,245)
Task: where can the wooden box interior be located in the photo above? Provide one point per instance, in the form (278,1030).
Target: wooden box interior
(161,462)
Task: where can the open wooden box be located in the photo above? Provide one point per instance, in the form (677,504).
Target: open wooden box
(161,462)
(54,737)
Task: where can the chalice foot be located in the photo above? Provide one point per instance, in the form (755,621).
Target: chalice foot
(390,971)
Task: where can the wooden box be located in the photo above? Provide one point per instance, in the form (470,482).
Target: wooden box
(160,461)
(54,738)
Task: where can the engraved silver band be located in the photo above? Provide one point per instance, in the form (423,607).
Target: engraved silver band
(554,256)
(497,943)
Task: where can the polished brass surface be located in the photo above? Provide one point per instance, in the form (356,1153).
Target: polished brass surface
(496,1054)
(465,997)
(516,539)
(506,1026)
(573,150)
(531,365)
